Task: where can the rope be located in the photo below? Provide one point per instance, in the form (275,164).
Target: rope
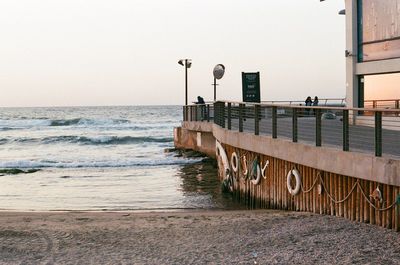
(331,197)
(373,206)
(357,184)
(313,185)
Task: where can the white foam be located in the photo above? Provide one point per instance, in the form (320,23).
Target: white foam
(24,123)
(96,164)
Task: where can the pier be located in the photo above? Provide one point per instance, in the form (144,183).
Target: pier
(347,159)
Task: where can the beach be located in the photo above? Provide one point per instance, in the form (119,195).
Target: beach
(192,237)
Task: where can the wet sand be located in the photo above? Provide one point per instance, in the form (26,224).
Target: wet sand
(192,237)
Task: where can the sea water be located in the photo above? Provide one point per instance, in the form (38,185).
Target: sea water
(101,158)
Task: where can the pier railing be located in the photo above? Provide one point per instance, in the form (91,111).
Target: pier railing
(351,129)
(199,112)
(332,102)
(382,103)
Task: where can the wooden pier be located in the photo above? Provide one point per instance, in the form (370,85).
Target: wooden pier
(345,169)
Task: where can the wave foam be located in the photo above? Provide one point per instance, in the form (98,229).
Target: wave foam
(100,140)
(105,140)
(87,122)
(32,164)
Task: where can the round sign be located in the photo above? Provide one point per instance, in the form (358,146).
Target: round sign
(219,71)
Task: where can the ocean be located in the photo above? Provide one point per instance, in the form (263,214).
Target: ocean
(101,158)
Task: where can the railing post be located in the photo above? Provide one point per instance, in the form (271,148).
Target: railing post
(229,116)
(294,125)
(274,123)
(378,133)
(191,113)
(256,119)
(216,113)
(208,113)
(219,114)
(241,107)
(318,125)
(346,130)
(184,113)
(223,114)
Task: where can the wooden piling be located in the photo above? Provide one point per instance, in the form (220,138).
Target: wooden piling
(331,192)
(389,201)
(346,190)
(366,204)
(397,209)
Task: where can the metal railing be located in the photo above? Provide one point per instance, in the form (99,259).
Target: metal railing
(345,128)
(333,102)
(199,112)
(382,103)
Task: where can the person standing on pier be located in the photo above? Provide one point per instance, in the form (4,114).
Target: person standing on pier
(201,102)
(308,103)
(316,101)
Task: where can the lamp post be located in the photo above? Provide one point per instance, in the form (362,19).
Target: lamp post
(218,73)
(187,63)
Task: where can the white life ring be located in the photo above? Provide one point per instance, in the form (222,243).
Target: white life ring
(256,181)
(234,162)
(221,152)
(296,174)
(264,168)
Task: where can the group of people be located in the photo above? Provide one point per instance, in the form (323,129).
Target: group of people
(310,102)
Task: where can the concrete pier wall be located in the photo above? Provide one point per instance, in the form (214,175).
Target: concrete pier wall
(201,139)
(333,182)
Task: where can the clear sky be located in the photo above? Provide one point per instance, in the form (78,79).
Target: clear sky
(125,52)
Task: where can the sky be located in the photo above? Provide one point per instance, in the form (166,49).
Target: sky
(125,52)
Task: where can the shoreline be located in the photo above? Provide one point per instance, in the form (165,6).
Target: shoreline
(192,237)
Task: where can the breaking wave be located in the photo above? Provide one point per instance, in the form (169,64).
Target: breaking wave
(81,121)
(32,164)
(20,124)
(98,140)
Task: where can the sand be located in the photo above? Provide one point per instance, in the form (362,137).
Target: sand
(192,237)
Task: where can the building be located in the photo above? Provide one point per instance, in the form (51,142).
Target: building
(372,46)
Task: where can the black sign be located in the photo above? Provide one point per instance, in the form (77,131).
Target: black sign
(251,87)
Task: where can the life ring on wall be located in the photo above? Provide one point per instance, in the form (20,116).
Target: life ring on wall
(296,174)
(234,162)
(257,170)
(221,153)
(264,168)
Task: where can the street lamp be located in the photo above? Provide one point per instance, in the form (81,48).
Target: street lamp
(218,73)
(187,63)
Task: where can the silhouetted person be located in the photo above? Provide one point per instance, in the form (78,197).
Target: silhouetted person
(200,101)
(308,103)
(315,102)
